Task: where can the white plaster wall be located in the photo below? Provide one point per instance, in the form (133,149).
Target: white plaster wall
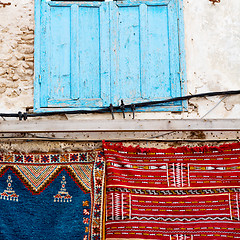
(212,39)
(212,42)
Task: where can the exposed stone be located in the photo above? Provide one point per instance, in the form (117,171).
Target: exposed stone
(19,56)
(27,37)
(30,65)
(25,65)
(2,71)
(14,94)
(16,55)
(29,72)
(12,85)
(12,63)
(25,49)
(14,45)
(15,77)
(23,29)
(5,30)
(3,88)
(30,42)
(30,59)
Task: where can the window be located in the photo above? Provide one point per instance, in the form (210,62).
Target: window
(91,54)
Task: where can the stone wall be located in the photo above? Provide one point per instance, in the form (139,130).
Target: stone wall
(16,55)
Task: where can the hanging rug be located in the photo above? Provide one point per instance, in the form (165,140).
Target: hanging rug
(51,196)
(173,194)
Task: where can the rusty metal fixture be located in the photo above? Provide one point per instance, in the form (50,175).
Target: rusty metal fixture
(215,1)
(5,4)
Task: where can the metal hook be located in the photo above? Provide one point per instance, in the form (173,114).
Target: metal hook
(20,116)
(122,107)
(215,1)
(25,116)
(133,107)
(111,110)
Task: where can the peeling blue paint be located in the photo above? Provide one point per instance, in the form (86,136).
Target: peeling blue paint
(88,55)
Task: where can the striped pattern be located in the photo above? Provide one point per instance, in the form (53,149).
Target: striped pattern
(83,173)
(36,175)
(173,194)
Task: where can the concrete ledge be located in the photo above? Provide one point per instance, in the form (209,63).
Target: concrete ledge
(119,125)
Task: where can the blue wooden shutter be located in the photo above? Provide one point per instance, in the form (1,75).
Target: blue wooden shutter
(74,55)
(145,51)
(88,55)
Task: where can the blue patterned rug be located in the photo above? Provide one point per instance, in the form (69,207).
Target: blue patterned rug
(51,196)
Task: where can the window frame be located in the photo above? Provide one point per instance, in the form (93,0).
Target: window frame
(182,106)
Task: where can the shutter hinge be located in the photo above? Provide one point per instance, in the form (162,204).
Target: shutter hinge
(181,76)
(39,79)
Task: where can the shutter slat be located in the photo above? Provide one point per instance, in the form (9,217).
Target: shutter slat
(174,49)
(74,52)
(144,49)
(105,54)
(45,52)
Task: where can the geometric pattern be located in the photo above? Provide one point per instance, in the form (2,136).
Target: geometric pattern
(182,193)
(36,178)
(38,171)
(35,175)
(9,193)
(98,197)
(63,195)
(83,174)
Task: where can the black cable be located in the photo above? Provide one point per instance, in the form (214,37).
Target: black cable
(127,106)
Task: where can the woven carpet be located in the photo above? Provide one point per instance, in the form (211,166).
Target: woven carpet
(183,193)
(51,196)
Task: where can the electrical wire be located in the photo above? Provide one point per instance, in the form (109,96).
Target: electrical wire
(112,108)
(214,107)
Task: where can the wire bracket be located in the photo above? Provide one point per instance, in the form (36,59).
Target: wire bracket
(122,107)
(111,110)
(25,116)
(22,116)
(133,107)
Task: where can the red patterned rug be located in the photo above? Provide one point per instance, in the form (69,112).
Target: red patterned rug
(183,193)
